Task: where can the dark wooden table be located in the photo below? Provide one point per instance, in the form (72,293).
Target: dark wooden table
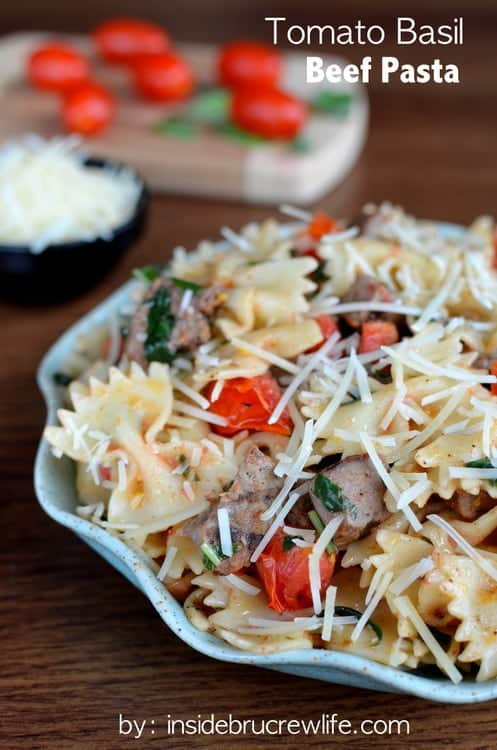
(80,645)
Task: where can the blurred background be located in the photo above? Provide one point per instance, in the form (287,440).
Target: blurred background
(431,147)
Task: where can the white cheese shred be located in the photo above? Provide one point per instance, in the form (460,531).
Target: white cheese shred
(223,520)
(240,583)
(408,610)
(373,603)
(329,611)
(166,565)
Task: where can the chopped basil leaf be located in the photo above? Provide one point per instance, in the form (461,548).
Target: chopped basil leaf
(319,276)
(329,493)
(332,103)
(288,542)
(159,328)
(60,378)
(211,555)
(185,284)
(301,144)
(383,376)
(177,127)
(209,107)
(482,463)
(350,612)
(229,130)
(147,273)
(318,524)
(331,496)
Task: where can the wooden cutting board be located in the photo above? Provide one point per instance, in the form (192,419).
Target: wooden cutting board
(210,163)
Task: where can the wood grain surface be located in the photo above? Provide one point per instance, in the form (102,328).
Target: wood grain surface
(79,644)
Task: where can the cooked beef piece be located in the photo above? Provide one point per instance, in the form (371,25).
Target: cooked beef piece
(469,507)
(191,327)
(299,514)
(363,492)
(251,493)
(368,289)
(484,361)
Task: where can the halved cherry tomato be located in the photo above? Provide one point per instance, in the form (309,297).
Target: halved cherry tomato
(268,112)
(493,371)
(163,78)
(285,574)
(247,404)
(57,67)
(248,63)
(105,473)
(88,109)
(376,333)
(122,40)
(328,326)
(320,225)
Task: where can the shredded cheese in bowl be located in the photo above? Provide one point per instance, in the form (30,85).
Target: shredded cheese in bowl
(50,196)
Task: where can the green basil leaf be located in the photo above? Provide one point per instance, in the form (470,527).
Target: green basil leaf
(288,543)
(229,130)
(332,103)
(211,107)
(177,127)
(160,325)
(185,284)
(350,612)
(147,273)
(301,144)
(329,493)
(482,463)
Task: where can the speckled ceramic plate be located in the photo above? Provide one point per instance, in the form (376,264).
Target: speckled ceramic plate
(54,483)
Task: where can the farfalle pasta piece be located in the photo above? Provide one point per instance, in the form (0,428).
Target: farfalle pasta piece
(266,294)
(473,602)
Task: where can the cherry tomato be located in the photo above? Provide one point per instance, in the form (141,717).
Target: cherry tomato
(320,225)
(248,63)
(328,326)
(57,67)
(163,78)
(247,404)
(88,109)
(122,40)
(269,113)
(285,574)
(376,333)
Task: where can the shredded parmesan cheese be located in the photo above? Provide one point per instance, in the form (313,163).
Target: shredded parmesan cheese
(223,520)
(407,609)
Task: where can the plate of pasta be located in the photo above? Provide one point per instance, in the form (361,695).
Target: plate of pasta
(288,440)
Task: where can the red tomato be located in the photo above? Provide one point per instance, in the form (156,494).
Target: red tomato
(121,40)
(163,78)
(248,63)
(105,473)
(285,574)
(57,67)
(247,404)
(328,326)
(493,371)
(376,333)
(320,225)
(268,112)
(88,109)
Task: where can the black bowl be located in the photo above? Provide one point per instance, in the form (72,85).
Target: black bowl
(64,270)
